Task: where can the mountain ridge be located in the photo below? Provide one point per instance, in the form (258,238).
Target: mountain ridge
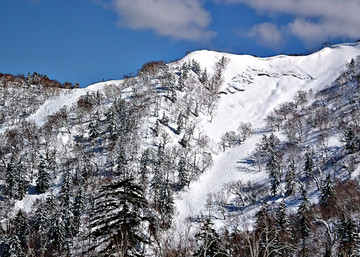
(200,136)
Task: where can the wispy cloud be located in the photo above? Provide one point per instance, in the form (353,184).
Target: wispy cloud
(267,34)
(179,20)
(314,20)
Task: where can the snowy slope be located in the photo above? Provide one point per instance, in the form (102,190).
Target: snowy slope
(66,99)
(252,88)
(268,82)
(264,84)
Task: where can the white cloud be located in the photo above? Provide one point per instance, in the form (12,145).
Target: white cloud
(266,34)
(178,19)
(314,20)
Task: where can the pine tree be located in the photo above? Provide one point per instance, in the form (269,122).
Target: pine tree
(309,164)
(21,227)
(10,178)
(204,77)
(290,179)
(273,166)
(304,221)
(209,241)
(273,163)
(144,169)
(66,204)
(352,140)
(180,123)
(348,234)
(284,234)
(119,218)
(43,180)
(57,233)
(41,223)
(183,177)
(13,247)
(78,209)
(20,180)
(195,67)
(166,205)
(156,183)
(327,198)
(265,230)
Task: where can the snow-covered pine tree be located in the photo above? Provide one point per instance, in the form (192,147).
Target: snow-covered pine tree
(352,139)
(284,242)
(183,177)
(347,232)
(304,222)
(265,230)
(309,164)
(119,221)
(209,243)
(290,187)
(166,204)
(43,179)
(144,170)
(327,197)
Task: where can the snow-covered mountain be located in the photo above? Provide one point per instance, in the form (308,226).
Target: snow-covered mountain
(210,137)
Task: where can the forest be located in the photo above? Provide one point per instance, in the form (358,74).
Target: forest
(100,177)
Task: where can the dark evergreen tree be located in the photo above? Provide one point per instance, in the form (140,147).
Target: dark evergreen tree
(156,184)
(66,204)
(10,178)
(14,247)
(145,161)
(180,123)
(78,209)
(265,231)
(93,130)
(327,199)
(352,140)
(119,219)
(290,188)
(304,222)
(204,77)
(348,235)
(183,177)
(209,243)
(273,165)
(57,233)
(284,241)
(166,205)
(327,252)
(195,67)
(20,180)
(41,223)
(21,228)
(309,164)
(43,179)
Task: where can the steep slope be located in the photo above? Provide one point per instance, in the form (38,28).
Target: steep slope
(171,135)
(252,88)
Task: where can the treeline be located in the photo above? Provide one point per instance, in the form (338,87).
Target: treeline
(34,79)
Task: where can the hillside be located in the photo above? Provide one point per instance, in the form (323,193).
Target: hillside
(201,157)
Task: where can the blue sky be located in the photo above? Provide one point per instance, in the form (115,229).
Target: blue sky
(89,40)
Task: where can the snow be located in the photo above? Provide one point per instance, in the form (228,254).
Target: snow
(66,99)
(285,75)
(252,88)
(193,199)
(267,83)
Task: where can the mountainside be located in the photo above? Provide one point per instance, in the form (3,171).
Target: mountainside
(212,155)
